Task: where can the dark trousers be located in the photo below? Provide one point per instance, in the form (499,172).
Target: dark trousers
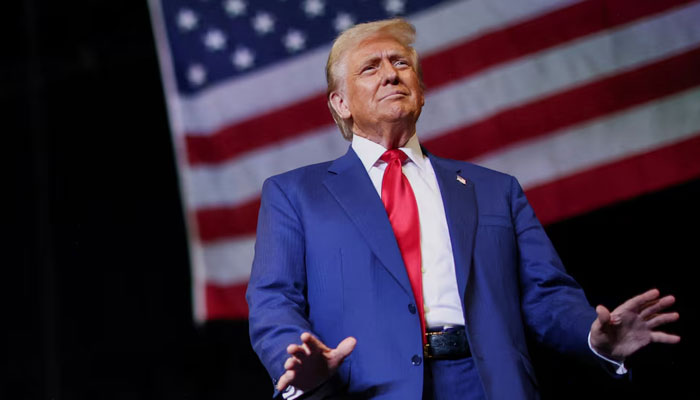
(452,380)
(443,380)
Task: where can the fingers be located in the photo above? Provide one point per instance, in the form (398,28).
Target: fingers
(285,380)
(663,337)
(310,346)
(313,344)
(662,319)
(311,362)
(291,363)
(298,351)
(656,306)
(638,302)
(346,347)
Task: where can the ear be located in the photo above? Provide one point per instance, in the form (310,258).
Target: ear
(340,105)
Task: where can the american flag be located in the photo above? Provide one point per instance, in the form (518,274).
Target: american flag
(585,102)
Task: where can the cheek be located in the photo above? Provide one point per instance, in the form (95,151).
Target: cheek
(419,93)
(362,95)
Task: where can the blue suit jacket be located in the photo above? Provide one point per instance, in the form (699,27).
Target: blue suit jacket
(327,261)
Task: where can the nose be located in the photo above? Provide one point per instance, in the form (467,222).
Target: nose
(389,74)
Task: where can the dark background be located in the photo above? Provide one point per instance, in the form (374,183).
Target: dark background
(96,285)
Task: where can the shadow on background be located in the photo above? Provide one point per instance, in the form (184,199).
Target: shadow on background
(98,288)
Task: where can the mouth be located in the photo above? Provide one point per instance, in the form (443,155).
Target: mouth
(393,95)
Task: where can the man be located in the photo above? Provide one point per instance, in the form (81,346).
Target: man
(425,273)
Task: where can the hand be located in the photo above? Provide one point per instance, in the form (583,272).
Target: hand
(312,362)
(631,326)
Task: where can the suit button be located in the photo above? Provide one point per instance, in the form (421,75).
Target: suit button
(412,308)
(416,360)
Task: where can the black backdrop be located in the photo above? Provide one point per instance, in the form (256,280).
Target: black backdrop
(96,286)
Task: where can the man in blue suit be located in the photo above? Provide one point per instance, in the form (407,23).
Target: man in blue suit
(424,273)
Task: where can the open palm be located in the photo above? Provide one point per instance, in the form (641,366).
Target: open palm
(631,326)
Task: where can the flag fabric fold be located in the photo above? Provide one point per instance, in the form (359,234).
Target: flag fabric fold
(585,102)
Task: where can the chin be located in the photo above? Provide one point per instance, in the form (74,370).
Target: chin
(398,111)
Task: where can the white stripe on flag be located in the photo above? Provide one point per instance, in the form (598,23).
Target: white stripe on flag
(240,180)
(460,21)
(635,131)
(229,261)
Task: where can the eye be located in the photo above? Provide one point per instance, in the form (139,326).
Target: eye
(367,68)
(401,63)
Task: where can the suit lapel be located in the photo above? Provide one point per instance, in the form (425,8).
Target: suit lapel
(459,200)
(350,185)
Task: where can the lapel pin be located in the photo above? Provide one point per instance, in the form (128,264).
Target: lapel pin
(461,180)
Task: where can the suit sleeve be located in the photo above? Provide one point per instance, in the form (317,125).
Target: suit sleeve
(276,291)
(554,306)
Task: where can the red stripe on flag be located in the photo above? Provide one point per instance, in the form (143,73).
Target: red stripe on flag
(617,181)
(468,58)
(227,222)
(274,126)
(226,301)
(571,107)
(543,32)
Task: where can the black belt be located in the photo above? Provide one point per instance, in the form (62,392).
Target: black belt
(446,343)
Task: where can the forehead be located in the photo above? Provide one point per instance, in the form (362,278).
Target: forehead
(377,47)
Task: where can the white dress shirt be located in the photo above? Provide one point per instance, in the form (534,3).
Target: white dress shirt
(440,294)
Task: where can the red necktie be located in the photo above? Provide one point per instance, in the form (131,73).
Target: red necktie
(400,204)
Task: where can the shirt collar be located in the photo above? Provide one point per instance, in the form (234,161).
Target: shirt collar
(369,151)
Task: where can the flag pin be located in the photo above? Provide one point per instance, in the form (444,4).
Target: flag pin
(461,180)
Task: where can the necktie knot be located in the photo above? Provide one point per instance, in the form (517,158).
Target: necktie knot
(393,154)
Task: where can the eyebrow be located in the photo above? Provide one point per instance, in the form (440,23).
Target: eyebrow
(392,56)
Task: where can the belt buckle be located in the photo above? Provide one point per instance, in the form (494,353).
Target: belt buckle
(426,347)
(426,351)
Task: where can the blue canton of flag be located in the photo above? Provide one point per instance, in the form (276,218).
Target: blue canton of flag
(215,40)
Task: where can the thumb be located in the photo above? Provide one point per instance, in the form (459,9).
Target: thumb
(346,347)
(605,317)
(603,314)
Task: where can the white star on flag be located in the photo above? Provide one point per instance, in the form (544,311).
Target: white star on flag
(196,74)
(187,19)
(294,40)
(243,58)
(235,8)
(263,23)
(343,21)
(394,7)
(215,40)
(313,8)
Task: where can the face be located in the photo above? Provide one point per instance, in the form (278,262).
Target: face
(381,85)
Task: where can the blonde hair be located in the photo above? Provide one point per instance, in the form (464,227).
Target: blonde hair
(396,28)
